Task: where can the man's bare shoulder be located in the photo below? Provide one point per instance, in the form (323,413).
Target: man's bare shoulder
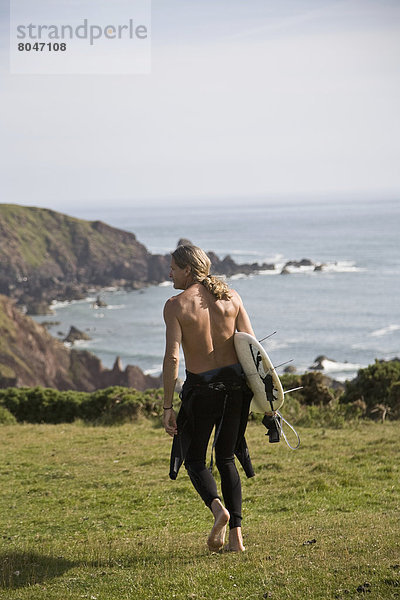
(236,299)
(173,304)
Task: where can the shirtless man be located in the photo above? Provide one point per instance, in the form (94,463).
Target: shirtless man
(203,319)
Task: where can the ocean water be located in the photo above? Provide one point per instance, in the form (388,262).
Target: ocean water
(349,312)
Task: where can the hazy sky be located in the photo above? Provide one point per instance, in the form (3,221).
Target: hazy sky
(252,99)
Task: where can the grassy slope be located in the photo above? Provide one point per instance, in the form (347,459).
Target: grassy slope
(91,513)
(32,229)
(34,236)
(23,227)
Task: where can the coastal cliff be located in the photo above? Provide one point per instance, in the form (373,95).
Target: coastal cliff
(46,256)
(30,356)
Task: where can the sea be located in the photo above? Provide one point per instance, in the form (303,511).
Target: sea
(348,312)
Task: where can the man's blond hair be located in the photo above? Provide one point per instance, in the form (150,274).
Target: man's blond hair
(200,264)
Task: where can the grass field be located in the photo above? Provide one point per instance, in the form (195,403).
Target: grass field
(89,512)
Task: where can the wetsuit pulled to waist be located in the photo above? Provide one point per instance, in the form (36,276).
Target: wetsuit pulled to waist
(221,374)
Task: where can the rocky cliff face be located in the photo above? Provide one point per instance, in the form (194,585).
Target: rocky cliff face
(30,356)
(45,256)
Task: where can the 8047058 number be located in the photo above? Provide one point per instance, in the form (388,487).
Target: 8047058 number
(42,46)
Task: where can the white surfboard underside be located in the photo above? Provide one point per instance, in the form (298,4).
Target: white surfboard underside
(246,347)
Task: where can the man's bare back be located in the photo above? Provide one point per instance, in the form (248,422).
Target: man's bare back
(207,326)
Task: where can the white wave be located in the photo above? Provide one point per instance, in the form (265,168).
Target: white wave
(301,268)
(275,271)
(331,366)
(346,377)
(277,258)
(82,343)
(344,266)
(115,306)
(385,331)
(55,304)
(238,276)
(153,371)
(99,316)
(332,267)
(341,266)
(58,304)
(165,284)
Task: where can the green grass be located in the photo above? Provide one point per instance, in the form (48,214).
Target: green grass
(89,512)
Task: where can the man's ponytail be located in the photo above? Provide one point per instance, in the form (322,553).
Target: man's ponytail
(200,264)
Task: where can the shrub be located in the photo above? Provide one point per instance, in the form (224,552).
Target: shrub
(111,405)
(378,386)
(106,407)
(316,390)
(6,418)
(394,399)
(42,405)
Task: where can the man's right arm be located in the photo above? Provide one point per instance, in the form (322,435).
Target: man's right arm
(170,363)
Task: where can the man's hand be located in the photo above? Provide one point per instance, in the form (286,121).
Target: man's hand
(169,422)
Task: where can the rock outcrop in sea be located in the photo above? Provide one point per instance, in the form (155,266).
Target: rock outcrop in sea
(30,356)
(320,363)
(75,334)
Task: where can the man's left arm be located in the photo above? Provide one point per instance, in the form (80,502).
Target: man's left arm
(171,365)
(243,322)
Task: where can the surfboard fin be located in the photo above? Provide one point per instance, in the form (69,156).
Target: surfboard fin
(293,390)
(267,336)
(284,363)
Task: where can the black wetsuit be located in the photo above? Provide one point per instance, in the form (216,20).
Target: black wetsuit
(222,398)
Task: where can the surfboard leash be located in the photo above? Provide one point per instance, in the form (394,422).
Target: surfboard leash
(279,423)
(279,420)
(274,425)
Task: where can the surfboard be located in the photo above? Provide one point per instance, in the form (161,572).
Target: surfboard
(261,375)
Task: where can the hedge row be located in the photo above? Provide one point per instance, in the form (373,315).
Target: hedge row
(374,393)
(107,406)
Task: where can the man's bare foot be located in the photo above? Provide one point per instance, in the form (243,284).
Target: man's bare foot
(236,540)
(216,538)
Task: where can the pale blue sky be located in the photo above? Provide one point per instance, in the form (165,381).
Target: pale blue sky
(255,99)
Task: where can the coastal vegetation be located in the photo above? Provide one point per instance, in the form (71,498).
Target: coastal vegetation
(373,394)
(110,406)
